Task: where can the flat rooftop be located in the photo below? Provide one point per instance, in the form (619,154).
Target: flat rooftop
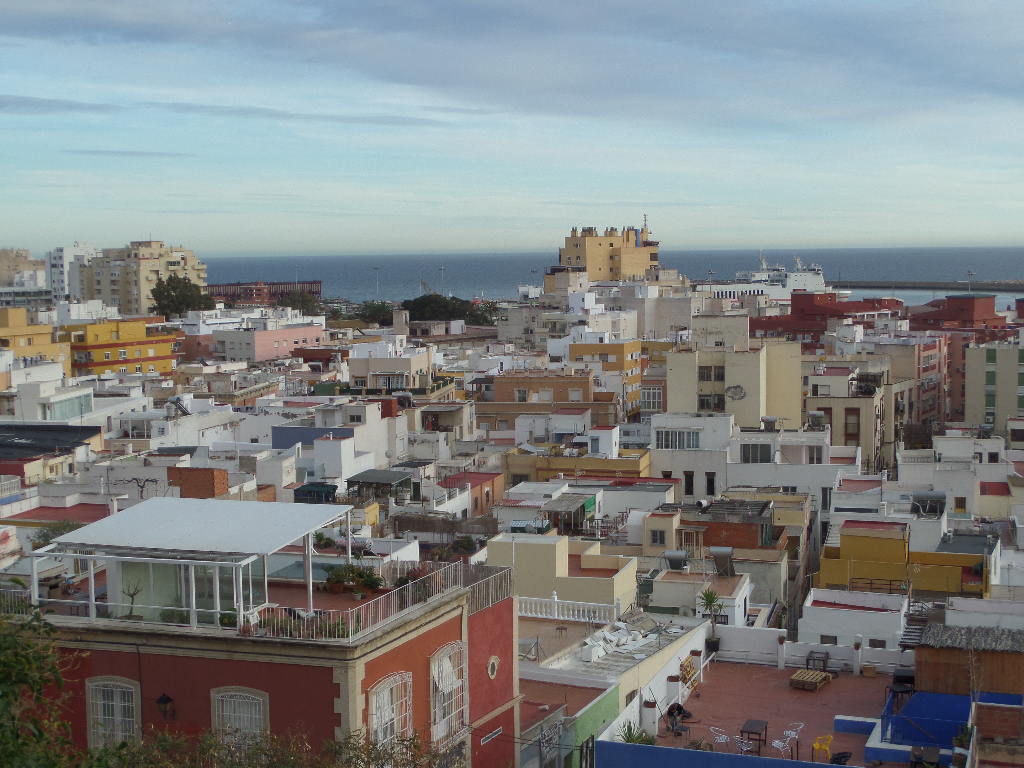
(733,693)
(202,527)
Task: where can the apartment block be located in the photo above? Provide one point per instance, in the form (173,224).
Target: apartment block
(125,277)
(63,269)
(619,364)
(994,386)
(755,381)
(121,346)
(34,342)
(612,254)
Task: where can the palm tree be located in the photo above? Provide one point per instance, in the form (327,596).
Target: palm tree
(710,605)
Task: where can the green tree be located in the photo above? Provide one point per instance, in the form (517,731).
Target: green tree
(178,295)
(32,732)
(169,750)
(434,306)
(302,301)
(378,312)
(46,534)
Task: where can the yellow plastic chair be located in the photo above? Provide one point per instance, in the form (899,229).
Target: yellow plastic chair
(822,744)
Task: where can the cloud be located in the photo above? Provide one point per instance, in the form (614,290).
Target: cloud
(124,153)
(32,105)
(737,67)
(269,113)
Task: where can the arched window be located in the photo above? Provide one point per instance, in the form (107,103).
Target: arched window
(391,708)
(447,692)
(113,709)
(239,714)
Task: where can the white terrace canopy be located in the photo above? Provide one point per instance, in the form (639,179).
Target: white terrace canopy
(168,557)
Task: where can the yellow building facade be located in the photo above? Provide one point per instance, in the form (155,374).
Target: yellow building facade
(572,569)
(611,254)
(621,360)
(875,556)
(762,380)
(120,346)
(125,277)
(27,340)
(523,466)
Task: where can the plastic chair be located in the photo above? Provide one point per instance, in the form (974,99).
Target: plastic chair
(792,733)
(784,746)
(793,730)
(822,744)
(718,736)
(743,746)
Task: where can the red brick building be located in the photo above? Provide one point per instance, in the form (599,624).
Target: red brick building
(154,638)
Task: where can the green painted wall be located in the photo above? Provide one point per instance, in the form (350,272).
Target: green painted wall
(592,720)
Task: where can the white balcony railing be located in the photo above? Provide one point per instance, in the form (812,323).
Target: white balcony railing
(567,610)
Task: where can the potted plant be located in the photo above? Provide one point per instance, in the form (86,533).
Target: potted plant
(341,577)
(131,590)
(710,605)
(369,579)
(228,619)
(631,733)
(700,744)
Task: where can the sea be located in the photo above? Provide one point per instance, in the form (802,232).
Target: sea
(488,275)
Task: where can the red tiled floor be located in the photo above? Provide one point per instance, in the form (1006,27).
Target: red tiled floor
(733,693)
(294,596)
(575,569)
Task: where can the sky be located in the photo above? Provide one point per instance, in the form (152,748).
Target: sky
(330,126)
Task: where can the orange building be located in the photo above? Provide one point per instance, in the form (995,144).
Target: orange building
(140,345)
(485,488)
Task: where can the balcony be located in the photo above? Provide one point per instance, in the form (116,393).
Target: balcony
(203,568)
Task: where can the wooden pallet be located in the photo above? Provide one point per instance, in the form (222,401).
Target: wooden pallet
(809,680)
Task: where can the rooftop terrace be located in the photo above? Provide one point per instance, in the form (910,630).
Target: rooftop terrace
(732,693)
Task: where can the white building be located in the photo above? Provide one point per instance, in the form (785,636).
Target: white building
(709,453)
(63,264)
(842,617)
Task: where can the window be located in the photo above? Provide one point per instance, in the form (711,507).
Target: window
(521,395)
(687,483)
(106,355)
(113,710)
(704,373)
(814,454)
(990,400)
(1016,435)
(960,504)
(715,403)
(447,699)
(122,354)
(990,378)
(355,418)
(152,369)
(873,643)
(990,356)
(719,372)
(826,497)
(756,453)
(993,457)
(391,708)
(575,395)
(657,538)
(709,483)
(650,399)
(138,369)
(852,426)
(676,439)
(828,640)
(239,713)
(151,352)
